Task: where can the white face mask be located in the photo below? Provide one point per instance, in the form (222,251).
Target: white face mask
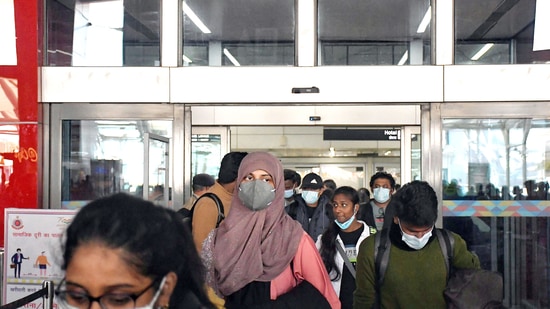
(381,195)
(413,241)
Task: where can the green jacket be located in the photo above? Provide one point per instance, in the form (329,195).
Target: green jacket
(413,279)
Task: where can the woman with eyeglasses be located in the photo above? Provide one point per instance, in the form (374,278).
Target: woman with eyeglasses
(122,252)
(339,244)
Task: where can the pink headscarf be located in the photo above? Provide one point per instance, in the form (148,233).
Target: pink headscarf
(255,245)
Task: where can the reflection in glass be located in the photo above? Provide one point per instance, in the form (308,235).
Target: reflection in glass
(9,99)
(500,32)
(104,157)
(206,154)
(496,159)
(103,33)
(374,33)
(495,191)
(416,157)
(157,153)
(238,32)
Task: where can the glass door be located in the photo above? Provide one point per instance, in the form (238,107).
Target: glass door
(411,154)
(101,149)
(156,169)
(208,146)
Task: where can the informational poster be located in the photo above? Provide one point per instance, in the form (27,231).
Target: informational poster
(32,250)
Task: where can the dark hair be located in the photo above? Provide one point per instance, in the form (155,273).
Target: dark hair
(330,184)
(364,195)
(328,239)
(415,203)
(292,175)
(134,225)
(229,167)
(384,175)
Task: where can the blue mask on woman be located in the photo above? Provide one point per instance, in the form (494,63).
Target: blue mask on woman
(345,225)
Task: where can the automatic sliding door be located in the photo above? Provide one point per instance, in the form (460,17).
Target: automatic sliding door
(104,149)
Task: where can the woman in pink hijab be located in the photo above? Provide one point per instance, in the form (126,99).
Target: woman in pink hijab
(260,257)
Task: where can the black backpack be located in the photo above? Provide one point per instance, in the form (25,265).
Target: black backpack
(466,288)
(187,215)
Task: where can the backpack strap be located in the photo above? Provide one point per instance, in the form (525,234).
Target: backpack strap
(219,206)
(382,247)
(446,242)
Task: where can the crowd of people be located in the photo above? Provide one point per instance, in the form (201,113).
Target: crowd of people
(286,241)
(530,190)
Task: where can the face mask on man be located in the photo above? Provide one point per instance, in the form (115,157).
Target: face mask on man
(256,194)
(310,197)
(413,241)
(381,195)
(289,193)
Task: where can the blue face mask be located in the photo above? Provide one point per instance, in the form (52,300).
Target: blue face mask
(310,197)
(346,224)
(289,193)
(381,195)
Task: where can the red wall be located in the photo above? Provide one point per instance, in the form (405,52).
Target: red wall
(20,84)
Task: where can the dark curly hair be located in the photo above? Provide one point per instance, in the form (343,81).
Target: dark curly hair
(415,203)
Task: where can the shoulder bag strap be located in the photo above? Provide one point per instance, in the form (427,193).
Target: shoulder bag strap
(446,242)
(381,259)
(219,205)
(346,259)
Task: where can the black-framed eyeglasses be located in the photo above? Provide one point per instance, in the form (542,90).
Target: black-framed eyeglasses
(73,299)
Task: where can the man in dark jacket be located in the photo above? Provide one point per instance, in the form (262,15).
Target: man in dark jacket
(16,260)
(311,208)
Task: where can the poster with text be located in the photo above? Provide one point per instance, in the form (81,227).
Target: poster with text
(32,251)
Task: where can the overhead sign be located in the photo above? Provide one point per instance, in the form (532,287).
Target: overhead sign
(361,134)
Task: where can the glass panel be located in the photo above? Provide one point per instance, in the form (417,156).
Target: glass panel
(501,32)
(158,159)
(103,33)
(495,191)
(238,32)
(104,157)
(206,149)
(416,157)
(343,175)
(19,158)
(358,32)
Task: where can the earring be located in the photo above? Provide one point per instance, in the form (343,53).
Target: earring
(164,307)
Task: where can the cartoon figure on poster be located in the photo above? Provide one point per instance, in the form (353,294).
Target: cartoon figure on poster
(42,264)
(16,260)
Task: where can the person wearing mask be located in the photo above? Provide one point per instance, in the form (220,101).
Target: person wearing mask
(379,215)
(201,183)
(259,255)
(124,252)
(339,244)
(312,209)
(292,182)
(205,213)
(416,273)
